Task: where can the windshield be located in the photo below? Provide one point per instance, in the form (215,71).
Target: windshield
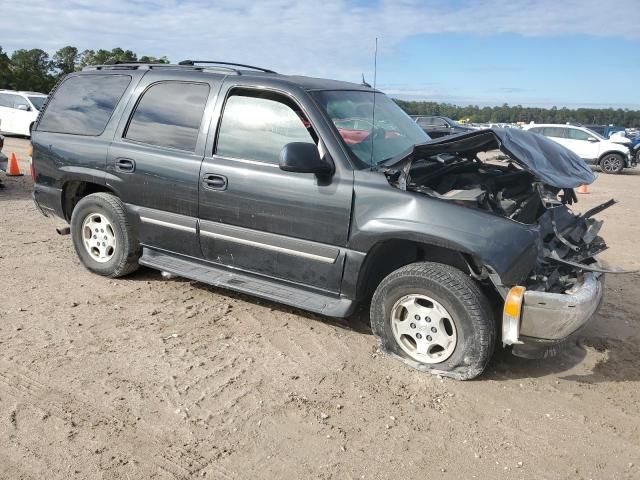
(37,101)
(371,138)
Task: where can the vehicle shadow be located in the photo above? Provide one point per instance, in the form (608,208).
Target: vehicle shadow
(612,359)
(358,322)
(604,359)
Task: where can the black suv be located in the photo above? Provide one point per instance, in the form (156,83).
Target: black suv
(437,127)
(322,195)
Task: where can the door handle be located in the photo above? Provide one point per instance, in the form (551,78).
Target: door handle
(213,181)
(125,165)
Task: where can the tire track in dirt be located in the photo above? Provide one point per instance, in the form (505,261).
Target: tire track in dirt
(177,461)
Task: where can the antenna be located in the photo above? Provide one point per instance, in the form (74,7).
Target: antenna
(373,115)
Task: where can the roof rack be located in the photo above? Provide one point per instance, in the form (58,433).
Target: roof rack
(213,62)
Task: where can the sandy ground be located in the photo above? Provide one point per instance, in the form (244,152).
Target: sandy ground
(147,378)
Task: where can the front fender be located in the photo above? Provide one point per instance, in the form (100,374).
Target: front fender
(382,212)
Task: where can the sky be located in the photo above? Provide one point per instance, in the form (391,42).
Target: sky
(574,53)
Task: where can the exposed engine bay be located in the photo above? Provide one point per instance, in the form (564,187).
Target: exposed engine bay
(569,242)
(534,187)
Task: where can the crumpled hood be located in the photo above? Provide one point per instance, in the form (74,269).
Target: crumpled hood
(549,161)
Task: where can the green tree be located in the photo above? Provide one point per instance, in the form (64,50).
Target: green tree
(30,70)
(5,70)
(148,59)
(66,59)
(103,57)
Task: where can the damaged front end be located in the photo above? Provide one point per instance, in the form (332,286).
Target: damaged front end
(535,187)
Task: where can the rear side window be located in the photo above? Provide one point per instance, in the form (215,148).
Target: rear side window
(6,100)
(556,132)
(83,105)
(257,128)
(169,114)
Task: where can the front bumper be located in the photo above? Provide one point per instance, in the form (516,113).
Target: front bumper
(546,319)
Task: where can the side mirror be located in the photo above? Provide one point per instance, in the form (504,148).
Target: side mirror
(303,157)
(24,108)
(592,140)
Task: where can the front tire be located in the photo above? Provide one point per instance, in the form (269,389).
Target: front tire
(612,163)
(434,318)
(102,237)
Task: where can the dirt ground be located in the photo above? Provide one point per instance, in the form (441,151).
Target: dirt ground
(150,378)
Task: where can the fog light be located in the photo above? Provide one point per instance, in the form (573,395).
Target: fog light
(511,315)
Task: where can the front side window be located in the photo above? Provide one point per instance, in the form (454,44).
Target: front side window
(19,101)
(575,134)
(83,105)
(379,137)
(256,126)
(169,114)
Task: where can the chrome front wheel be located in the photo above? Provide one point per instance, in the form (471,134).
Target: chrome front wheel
(423,328)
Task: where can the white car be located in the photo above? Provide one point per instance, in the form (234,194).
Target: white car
(19,110)
(610,156)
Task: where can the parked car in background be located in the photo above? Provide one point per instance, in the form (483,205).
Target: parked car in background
(19,111)
(609,156)
(436,126)
(605,130)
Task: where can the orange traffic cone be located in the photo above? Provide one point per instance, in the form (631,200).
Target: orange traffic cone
(583,189)
(13,170)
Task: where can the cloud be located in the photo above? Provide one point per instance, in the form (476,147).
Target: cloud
(312,37)
(332,38)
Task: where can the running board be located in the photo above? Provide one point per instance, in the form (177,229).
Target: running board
(333,306)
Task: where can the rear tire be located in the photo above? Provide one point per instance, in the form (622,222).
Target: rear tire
(103,237)
(448,328)
(612,163)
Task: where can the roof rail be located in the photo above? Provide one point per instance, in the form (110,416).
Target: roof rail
(153,66)
(213,62)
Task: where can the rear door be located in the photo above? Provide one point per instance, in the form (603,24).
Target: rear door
(557,134)
(154,160)
(258,218)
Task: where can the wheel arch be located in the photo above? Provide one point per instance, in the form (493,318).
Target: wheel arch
(75,190)
(389,255)
(609,152)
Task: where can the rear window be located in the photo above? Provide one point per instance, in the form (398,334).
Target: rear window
(83,105)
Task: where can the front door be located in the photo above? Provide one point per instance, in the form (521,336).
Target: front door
(258,218)
(154,160)
(582,143)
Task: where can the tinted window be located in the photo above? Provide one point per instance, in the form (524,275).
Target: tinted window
(37,101)
(427,121)
(169,115)
(576,134)
(83,105)
(557,132)
(257,128)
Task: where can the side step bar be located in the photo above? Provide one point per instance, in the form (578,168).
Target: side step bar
(333,306)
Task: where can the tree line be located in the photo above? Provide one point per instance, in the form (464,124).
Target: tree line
(34,70)
(517,113)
